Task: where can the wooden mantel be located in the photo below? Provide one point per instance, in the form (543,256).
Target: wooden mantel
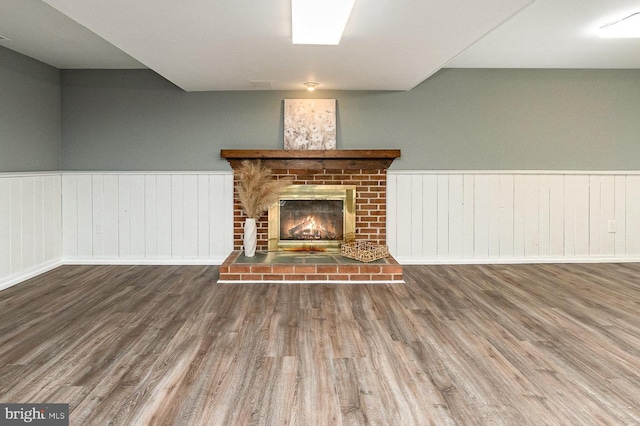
(366,159)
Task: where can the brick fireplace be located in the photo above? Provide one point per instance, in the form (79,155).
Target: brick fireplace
(366,170)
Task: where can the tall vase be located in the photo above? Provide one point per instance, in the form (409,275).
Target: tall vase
(250,238)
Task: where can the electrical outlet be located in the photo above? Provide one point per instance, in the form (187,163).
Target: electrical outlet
(611,226)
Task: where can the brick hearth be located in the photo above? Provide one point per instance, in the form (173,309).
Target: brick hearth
(239,268)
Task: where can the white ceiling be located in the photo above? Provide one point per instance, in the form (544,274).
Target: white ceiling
(387,45)
(557,34)
(41,32)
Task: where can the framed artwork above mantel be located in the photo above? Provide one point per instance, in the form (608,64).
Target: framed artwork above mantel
(310,124)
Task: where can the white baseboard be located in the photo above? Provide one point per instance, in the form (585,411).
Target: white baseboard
(46,267)
(29,273)
(515,260)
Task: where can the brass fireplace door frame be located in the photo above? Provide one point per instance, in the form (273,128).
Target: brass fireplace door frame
(347,193)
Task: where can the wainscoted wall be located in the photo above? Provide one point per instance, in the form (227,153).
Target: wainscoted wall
(509,217)
(147,218)
(30,225)
(47,219)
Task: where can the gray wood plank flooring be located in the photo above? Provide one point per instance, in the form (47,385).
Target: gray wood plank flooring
(456,345)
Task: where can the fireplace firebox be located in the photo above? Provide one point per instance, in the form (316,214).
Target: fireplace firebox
(312,217)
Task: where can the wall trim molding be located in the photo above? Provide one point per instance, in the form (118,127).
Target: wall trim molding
(513,172)
(517,261)
(151,172)
(28,174)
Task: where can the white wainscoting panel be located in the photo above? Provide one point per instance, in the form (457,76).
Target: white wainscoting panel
(511,217)
(47,219)
(30,225)
(147,218)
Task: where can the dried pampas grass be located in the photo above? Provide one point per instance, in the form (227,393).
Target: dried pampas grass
(257,189)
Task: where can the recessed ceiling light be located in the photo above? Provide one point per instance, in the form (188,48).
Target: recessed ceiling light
(628,27)
(319,21)
(311,85)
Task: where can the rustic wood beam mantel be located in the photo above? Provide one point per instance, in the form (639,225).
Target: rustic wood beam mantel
(351,159)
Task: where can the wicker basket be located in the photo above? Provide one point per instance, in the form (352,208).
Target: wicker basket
(364,251)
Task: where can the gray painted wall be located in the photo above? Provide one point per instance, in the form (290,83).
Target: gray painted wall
(30,138)
(459,119)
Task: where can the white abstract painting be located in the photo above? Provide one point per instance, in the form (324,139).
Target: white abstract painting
(310,124)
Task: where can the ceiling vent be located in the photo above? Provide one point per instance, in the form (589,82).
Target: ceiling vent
(261,84)
(3,38)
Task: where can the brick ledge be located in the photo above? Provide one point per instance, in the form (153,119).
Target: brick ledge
(386,271)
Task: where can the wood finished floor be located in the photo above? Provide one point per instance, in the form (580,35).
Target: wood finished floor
(465,345)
